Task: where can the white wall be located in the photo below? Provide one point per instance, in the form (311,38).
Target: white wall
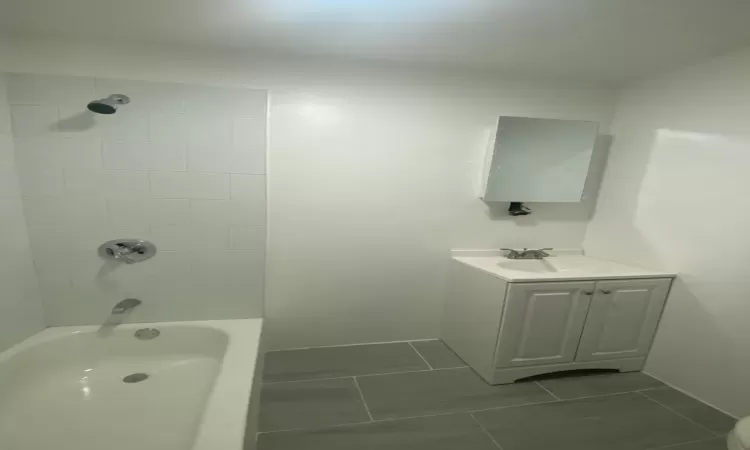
(371,178)
(20,306)
(368,192)
(675,197)
(181,165)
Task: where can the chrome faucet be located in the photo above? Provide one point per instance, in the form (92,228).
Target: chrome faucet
(526,253)
(126,305)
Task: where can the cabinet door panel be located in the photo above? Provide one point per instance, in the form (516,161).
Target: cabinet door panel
(542,323)
(622,319)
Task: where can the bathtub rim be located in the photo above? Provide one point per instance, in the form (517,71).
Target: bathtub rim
(225,417)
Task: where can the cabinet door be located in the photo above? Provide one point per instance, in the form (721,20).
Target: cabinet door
(622,319)
(542,323)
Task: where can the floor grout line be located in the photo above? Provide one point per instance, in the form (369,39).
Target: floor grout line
(366,423)
(324,427)
(683,443)
(396,419)
(420,355)
(366,375)
(684,417)
(362,396)
(472,412)
(485,431)
(586,397)
(548,391)
(649,389)
(449,413)
(349,345)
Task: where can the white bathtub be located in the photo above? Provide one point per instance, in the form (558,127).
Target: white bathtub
(63,388)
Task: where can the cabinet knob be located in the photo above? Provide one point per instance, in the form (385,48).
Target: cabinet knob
(605,292)
(588,293)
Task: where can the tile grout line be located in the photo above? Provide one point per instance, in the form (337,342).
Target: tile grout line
(325,427)
(548,391)
(349,345)
(472,412)
(485,431)
(362,396)
(366,375)
(684,443)
(420,355)
(684,417)
(395,419)
(586,397)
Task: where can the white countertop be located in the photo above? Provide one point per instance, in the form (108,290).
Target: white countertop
(561,268)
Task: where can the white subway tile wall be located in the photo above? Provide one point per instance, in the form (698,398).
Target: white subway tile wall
(21,312)
(181,165)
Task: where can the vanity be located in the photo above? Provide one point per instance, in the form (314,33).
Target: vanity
(513,318)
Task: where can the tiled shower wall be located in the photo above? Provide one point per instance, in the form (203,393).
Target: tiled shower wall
(20,308)
(181,165)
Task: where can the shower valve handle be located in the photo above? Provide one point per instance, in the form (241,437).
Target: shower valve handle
(128,251)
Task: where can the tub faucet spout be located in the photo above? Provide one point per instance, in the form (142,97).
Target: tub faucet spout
(126,305)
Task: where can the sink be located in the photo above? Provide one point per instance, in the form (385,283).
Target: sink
(528,265)
(555,268)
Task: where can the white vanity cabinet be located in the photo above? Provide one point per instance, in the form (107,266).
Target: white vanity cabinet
(542,323)
(622,319)
(507,330)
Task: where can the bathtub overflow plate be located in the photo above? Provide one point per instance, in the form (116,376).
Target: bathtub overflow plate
(146,334)
(135,378)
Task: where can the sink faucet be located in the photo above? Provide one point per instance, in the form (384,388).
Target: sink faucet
(126,305)
(526,253)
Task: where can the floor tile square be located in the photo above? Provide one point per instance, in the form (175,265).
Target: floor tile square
(450,432)
(308,404)
(569,387)
(332,362)
(438,355)
(698,412)
(441,391)
(615,422)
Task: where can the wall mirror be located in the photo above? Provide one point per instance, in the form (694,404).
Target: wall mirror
(538,160)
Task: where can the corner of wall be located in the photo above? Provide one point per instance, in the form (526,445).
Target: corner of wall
(21,303)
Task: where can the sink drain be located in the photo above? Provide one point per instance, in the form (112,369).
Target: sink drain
(135,378)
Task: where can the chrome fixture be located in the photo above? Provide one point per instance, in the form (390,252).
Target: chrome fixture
(526,253)
(518,209)
(146,334)
(108,105)
(126,305)
(128,251)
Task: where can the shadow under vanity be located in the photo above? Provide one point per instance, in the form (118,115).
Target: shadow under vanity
(510,319)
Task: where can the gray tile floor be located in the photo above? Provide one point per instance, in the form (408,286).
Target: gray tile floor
(420,395)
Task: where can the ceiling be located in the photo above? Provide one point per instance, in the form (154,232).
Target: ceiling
(596,40)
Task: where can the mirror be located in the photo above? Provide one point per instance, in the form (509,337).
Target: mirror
(538,160)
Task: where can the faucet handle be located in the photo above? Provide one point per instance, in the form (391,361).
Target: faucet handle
(119,252)
(128,251)
(512,253)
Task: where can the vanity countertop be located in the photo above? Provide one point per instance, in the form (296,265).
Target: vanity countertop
(557,268)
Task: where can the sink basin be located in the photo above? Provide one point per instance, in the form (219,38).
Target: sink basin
(528,265)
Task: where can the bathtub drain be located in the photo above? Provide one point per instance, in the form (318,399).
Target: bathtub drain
(146,334)
(135,378)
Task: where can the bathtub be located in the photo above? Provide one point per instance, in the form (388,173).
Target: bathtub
(189,388)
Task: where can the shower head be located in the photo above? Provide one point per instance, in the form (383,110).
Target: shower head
(108,105)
